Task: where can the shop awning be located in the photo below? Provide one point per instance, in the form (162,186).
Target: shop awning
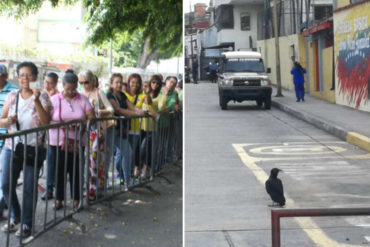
(319,27)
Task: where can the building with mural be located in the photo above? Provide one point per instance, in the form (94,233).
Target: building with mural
(352,53)
(331,40)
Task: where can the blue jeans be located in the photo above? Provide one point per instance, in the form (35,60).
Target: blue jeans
(28,184)
(2,201)
(134,140)
(51,170)
(122,150)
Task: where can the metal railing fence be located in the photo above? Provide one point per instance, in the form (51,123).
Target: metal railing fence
(276,214)
(109,156)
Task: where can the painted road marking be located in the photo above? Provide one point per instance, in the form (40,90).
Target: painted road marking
(367,238)
(301,151)
(313,231)
(298,150)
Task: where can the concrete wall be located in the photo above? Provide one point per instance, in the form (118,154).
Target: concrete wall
(208,38)
(241,38)
(291,48)
(352,56)
(342,3)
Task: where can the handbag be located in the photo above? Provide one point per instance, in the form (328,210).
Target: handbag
(30,154)
(118,126)
(30,150)
(70,145)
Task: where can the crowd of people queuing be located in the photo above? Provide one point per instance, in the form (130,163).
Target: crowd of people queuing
(23,107)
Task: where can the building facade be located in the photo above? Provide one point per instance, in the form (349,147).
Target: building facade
(233,26)
(352,54)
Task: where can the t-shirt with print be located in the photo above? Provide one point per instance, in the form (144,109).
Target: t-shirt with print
(122,104)
(27,115)
(138,101)
(64,111)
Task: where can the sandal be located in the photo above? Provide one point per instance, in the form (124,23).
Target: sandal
(76,204)
(144,171)
(58,205)
(136,172)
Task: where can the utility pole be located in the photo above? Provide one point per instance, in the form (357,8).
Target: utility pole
(277,52)
(110,58)
(178,63)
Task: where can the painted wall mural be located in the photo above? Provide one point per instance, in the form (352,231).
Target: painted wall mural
(352,50)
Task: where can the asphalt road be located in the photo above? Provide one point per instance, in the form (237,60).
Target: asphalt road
(228,156)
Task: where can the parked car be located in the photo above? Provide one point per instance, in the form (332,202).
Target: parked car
(243,77)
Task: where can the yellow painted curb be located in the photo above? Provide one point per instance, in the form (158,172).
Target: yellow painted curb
(359,140)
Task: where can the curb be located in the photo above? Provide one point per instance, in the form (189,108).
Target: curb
(328,127)
(351,137)
(359,140)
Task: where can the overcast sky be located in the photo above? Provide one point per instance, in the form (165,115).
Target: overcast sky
(192,2)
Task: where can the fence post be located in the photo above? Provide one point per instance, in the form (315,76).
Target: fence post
(275,228)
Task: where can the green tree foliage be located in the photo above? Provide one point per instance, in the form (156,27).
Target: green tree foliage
(20,8)
(126,49)
(159,22)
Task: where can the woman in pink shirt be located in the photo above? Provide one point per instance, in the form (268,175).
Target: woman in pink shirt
(68,105)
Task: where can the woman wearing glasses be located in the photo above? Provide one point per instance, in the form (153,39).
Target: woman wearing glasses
(23,109)
(103,108)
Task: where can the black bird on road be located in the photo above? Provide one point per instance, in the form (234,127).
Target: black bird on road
(274,187)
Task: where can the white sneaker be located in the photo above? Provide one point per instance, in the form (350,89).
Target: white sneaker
(12,227)
(26,231)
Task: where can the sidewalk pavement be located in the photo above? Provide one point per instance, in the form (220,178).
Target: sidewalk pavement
(346,123)
(145,216)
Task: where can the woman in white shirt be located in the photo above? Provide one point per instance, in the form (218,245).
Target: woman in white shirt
(23,109)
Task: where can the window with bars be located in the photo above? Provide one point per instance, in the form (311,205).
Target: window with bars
(245,21)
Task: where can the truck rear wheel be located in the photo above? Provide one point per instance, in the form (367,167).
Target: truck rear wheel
(268,103)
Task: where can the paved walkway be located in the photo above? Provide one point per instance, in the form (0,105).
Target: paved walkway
(344,122)
(145,217)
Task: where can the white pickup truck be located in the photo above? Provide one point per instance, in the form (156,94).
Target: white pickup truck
(243,77)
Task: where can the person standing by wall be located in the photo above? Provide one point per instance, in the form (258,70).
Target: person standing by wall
(298,78)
